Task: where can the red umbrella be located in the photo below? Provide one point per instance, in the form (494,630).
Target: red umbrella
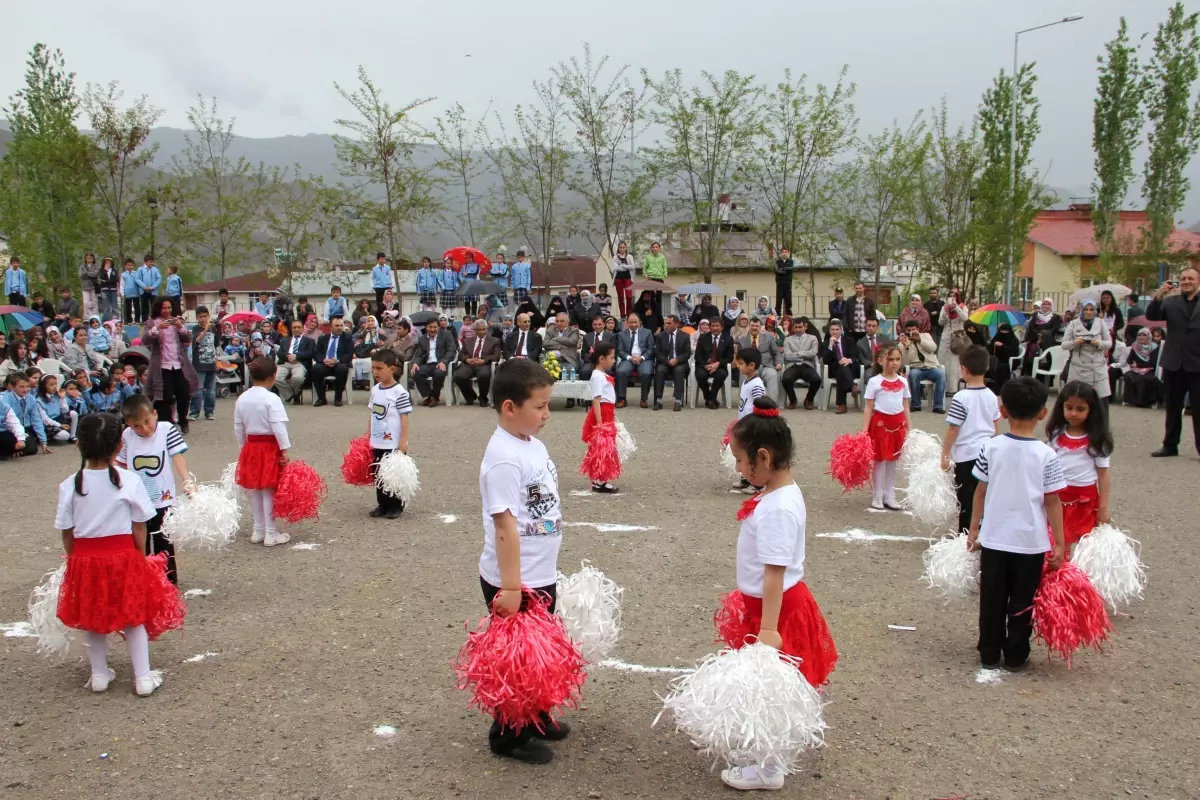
(461,255)
(243,316)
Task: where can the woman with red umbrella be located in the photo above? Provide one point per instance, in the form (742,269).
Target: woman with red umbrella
(172,379)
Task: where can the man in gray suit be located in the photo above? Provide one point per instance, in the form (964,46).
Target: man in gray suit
(562,338)
(1180,356)
(772,359)
(672,356)
(479,354)
(431,361)
(635,353)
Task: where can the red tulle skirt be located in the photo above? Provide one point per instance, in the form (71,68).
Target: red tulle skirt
(258,464)
(801,626)
(109,586)
(1081,511)
(601,463)
(887,433)
(608,413)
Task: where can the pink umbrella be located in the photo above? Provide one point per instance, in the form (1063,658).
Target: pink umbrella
(1145,322)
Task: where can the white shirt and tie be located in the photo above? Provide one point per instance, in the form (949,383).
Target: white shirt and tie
(478,347)
(636,350)
(333,346)
(521,349)
(432,350)
(295,345)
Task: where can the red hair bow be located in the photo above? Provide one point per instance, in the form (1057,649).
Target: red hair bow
(766,412)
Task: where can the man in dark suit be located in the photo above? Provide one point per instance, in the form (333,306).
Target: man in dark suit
(431,361)
(635,353)
(934,306)
(672,352)
(523,342)
(295,361)
(839,357)
(714,352)
(869,344)
(479,354)
(590,340)
(859,309)
(332,357)
(1180,356)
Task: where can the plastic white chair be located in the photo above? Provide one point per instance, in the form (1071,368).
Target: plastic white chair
(830,387)
(50,366)
(1058,362)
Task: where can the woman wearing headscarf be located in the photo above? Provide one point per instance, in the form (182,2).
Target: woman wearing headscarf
(536,318)
(733,310)
(586,310)
(1004,346)
(763,309)
(366,342)
(1141,385)
(312,327)
(740,329)
(953,319)
(975,333)
(702,328)
(361,312)
(1041,334)
(1087,339)
(647,311)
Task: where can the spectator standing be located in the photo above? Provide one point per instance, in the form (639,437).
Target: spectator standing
(106,285)
(953,318)
(1088,339)
(784,269)
(933,306)
(16,282)
(131,290)
(603,300)
(67,310)
(264,306)
(382,278)
(522,278)
(837,306)
(706,310)
(585,311)
(335,306)
(859,309)
(470,272)
(427,285)
(204,362)
(654,268)
(1108,311)
(175,290)
(623,268)
(89,271)
(448,282)
(1179,356)
(225,306)
(1133,310)
(915,311)
(499,276)
(1043,332)
(172,379)
(148,281)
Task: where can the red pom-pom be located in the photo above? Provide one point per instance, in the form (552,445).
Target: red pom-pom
(728,434)
(1068,612)
(851,460)
(300,494)
(521,667)
(601,462)
(172,609)
(356,463)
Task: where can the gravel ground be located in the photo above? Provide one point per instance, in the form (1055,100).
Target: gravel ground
(312,649)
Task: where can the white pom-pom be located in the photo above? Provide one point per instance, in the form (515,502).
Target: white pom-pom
(626,446)
(207,520)
(919,449)
(398,476)
(749,707)
(1112,561)
(951,569)
(227,478)
(53,638)
(728,461)
(930,493)
(590,605)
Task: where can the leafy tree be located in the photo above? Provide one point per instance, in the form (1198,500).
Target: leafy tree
(299,216)
(459,141)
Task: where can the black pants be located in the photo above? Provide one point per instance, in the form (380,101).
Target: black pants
(176,307)
(175,397)
(148,309)
(470,304)
(8,445)
(965,484)
(157,543)
(710,383)
(678,375)
(462,379)
(16,299)
(430,379)
(783,288)
(386,502)
(1007,584)
(1176,384)
(320,372)
(501,737)
(844,378)
(133,310)
(801,372)
(379,300)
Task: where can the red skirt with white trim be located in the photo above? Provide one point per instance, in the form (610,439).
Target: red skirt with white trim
(258,464)
(601,462)
(887,432)
(801,626)
(1081,511)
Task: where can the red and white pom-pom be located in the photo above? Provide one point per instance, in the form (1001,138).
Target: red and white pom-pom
(173,610)
(300,492)
(1068,612)
(521,667)
(356,463)
(728,434)
(852,459)
(1113,563)
(602,462)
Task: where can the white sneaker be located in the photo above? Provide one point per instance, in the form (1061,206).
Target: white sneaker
(877,504)
(751,778)
(99,681)
(279,537)
(257,537)
(146,686)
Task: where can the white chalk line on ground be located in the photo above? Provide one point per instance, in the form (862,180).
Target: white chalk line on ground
(613,663)
(448,518)
(199,657)
(385,731)
(190,593)
(610,527)
(306,546)
(17,630)
(989,677)
(859,535)
(887,511)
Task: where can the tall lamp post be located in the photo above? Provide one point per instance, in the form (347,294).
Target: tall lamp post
(1012,153)
(152,201)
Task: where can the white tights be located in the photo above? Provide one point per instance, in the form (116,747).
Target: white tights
(885,482)
(262,505)
(139,651)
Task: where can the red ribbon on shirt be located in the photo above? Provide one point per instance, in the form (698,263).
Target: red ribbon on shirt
(611,380)
(1070,442)
(748,507)
(894,385)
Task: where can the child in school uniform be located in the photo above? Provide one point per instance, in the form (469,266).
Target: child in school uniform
(603,410)
(747,362)
(260,425)
(522,524)
(109,585)
(175,289)
(76,402)
(1078,433)
(391,407)
(886,421)
(973,418)
(105,397)
(772,602)
(153,449)
(1020,479)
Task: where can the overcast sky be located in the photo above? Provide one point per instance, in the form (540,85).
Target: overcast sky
(273,64)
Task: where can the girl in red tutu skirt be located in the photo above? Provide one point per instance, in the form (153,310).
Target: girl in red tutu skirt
(1078,433)
(109,584)
(601,462)
(260,424)
(771,601)
(887,421)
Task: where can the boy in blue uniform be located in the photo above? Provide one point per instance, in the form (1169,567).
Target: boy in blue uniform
(148,281)
(16,398)
(427,285)
(132,292)
(499,275)
(381,278)
(175,290)
(522,278)
(16,283)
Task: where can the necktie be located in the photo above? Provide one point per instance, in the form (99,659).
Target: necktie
(333,343)
(673,345)
(874,347)
(478,346)
(837,348)
(754,341)
(712,359)
(295,344)
(521,343)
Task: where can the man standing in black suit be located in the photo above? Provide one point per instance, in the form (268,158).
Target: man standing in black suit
(784,267)
(934,306)
(590,340)
(295,362)
(523,342)
(714,352)
(1180,357)
(859,309)
(672,350)
(334,352)
(431,361)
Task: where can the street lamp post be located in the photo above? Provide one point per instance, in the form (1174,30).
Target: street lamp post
(152,201)
(1012,154)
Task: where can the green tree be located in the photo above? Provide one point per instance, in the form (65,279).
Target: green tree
(460,141)
(299,216)
(1174,132)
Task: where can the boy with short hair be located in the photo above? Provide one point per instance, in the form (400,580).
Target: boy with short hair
(747,362)
(175,289)
(105,397)
(974,417)
(522,524)
(16,283)
(335,306)
(1017,497)
(225,306)
(23,404)
(390,408)
(154,450)
(204,361)
(148,279)
(132,292)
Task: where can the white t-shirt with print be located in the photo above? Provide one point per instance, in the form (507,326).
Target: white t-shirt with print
(750,389)
(518,476)
(1078,465)
(386,407)
(1019,473)
(772,535)
(150,458)
(888,401)
(105,510)
(600,386)
(974,411)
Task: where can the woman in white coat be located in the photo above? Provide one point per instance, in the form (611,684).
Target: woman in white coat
(952,318)
(1087,339)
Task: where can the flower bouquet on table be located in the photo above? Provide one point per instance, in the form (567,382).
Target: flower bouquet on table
(552,365)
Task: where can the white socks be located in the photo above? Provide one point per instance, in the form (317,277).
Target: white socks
(884,483)
(136,639)
(97,651)
(262,505)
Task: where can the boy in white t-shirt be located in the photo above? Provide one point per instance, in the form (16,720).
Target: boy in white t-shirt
(1017,497)
(154,450)
(973,418)
(390,407)
(747,362)
(522,524)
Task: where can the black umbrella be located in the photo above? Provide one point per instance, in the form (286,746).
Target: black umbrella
(476,288)
(137,354)
(422,318)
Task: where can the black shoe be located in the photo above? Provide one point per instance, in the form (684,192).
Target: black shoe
(337,403)
(1165,452)
(320,402)
(657,406)
(394,513)
(552,731)
(297,400)
(604,488)
(376,512)
(483,403)
(914,409)
(532,751)
(939,411)
(678,406)
(184,429)
(993,665)
(1016,667)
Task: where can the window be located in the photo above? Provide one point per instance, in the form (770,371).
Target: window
(1025,289)
(740,294)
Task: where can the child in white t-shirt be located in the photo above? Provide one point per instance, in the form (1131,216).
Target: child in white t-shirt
(1078,433)
(973,418)
(154,450)
(260,425)
(522,524)
(1017,497)
(886,421)
(601,463)
(391,409)
(747,362)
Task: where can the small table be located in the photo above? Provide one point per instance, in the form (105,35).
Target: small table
(572,390)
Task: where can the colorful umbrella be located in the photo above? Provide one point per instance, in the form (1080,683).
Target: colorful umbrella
(992,315)
(461,255)
(19,318)
(243,316)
